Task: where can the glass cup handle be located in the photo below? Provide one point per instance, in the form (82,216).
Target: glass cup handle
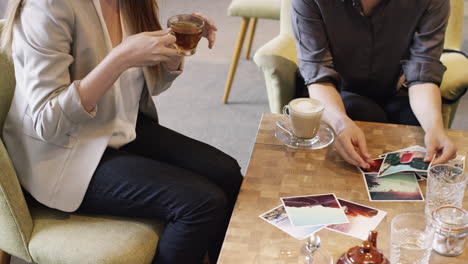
(286,110)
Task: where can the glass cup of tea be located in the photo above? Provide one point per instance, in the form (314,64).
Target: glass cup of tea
(188,31)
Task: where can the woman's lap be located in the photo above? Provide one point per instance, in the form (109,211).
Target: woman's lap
(192,196)
(396,110)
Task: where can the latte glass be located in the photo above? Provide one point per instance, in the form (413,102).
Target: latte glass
(305,115)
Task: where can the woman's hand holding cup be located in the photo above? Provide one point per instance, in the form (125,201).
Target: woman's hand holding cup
(209,30)
(148,49)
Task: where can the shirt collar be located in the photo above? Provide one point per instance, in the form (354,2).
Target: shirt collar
(356,4)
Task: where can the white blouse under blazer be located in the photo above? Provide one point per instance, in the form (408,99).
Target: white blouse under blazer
(127,92)
(53,142)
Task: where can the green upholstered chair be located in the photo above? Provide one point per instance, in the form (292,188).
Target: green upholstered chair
(250,11)
(35,233)
(278,61)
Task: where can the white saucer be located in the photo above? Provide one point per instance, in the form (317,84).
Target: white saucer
(324,138)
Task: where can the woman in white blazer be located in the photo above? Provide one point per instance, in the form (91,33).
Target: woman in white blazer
(82,129)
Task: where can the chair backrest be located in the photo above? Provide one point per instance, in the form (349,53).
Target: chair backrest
(453,36)
(285,18)
(15,219)
(7,85)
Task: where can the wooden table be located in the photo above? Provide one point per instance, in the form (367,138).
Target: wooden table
(278,171)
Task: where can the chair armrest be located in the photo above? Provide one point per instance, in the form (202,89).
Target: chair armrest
(278,61)
(455,81)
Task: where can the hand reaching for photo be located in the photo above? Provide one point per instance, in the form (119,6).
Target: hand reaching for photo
(440,145)
(209,31)
(351,145)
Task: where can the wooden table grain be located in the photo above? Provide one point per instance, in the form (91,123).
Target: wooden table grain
(278,171)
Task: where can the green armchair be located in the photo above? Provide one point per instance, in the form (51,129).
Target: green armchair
(278,61)
(38,234)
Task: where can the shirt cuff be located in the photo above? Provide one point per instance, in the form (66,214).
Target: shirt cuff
(423,72)
(318,73)
(70,103)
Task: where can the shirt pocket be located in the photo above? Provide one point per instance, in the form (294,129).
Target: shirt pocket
(65,141)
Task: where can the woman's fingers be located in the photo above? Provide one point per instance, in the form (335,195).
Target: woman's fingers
(169,52)
(448,152)
(210,29)
(348,147)
(349,154)
(361,144)
(167,40)
(159,33)
(211,39)
(431,151)
(209,21)
(343,154)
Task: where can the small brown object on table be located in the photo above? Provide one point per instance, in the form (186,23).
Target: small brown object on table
(4,257)
(278,171)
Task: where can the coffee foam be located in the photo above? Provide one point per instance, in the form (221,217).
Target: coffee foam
(306,106)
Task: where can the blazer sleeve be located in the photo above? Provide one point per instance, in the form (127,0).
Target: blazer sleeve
(42,46)
(166,78)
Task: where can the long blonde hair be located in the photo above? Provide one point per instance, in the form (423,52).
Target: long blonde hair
(142,16)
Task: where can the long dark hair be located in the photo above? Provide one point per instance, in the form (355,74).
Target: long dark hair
(142,16)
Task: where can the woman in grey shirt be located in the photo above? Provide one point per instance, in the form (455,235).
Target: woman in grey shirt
(358,57)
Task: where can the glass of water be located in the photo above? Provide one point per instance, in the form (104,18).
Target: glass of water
(411,238)
(445,187)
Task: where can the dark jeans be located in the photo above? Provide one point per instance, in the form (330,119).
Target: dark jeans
(165,175)
(395,110)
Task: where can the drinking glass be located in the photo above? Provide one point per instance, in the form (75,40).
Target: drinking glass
(411,238)
(445,187)
(290,251)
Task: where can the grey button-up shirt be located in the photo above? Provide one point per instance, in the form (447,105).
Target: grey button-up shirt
(368,54)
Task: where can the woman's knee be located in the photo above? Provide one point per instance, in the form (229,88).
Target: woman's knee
(208,202)
(229,168)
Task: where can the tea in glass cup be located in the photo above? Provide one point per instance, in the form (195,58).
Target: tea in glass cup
(188,31)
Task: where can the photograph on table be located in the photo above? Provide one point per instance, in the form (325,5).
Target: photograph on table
(458,162)
(403,161)
(279,218)
(396,187)
(412,148)
(362,219)
(374,166)
(313,210)
(420,175)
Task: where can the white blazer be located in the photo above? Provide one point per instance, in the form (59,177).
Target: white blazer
(53,142)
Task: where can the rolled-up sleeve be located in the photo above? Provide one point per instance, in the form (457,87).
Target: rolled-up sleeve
(313,50)
(424,63)
(167,77)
